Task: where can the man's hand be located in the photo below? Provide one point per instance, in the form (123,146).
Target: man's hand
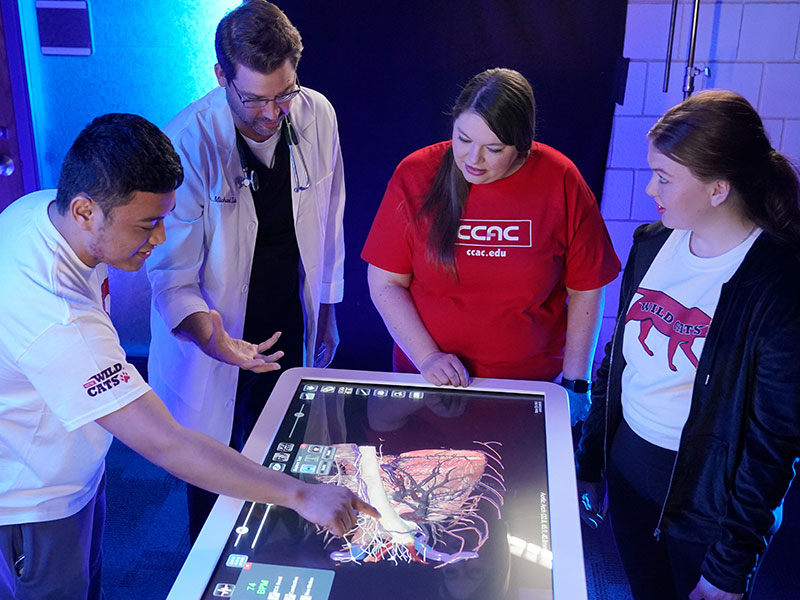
(146,427)
(237,352)
(327,336)
(708,591)
(444,369)
(332,507)
(592,502)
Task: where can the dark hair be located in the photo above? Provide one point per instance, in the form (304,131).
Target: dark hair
(257,35)
(717,134)
(115,156)
(504,99)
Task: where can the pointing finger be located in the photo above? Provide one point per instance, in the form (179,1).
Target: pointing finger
(365,508)
(336,528)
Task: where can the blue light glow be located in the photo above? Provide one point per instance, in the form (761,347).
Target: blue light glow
(150,57)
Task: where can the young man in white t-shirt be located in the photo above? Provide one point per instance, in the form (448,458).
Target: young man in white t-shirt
(65,384)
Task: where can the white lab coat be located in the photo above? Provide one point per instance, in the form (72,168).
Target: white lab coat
(206,260)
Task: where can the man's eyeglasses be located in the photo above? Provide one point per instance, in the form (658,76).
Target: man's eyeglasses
(262,102)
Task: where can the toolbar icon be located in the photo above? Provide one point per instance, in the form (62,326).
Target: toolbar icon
(224,590)
(236,561)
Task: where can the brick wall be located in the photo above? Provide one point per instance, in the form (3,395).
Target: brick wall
(750,46)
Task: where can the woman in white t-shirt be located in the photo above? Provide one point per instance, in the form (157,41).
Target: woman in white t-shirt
(695,423)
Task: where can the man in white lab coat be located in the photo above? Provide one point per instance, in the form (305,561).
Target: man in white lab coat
(255,242)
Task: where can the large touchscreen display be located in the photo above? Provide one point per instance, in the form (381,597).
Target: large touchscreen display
(460,480)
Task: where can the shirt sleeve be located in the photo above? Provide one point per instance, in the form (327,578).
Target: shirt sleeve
(81,372)
(591,261)
(334,251)
(389,243)
(769,447)
(174,267)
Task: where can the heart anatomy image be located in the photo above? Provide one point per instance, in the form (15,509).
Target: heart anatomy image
(431,502)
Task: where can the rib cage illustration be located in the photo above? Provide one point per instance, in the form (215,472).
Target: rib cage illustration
(430,502)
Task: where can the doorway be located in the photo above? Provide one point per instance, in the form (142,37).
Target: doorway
(18,172)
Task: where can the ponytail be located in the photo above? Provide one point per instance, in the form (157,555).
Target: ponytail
(770,196)
(780,207)
(442,209)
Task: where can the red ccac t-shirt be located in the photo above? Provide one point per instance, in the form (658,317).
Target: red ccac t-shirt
(522,241)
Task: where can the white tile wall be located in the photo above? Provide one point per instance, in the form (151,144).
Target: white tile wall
(769,32)
(751,46)
(618,190)
(647,29)
(717,31)
(634,89)
(742,77)
(656,101)
(629,142)
(791,140)
(774,129)
(780,91)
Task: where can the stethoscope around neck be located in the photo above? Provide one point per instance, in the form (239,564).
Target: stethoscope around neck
(250,177)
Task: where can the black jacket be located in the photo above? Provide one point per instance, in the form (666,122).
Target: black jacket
(741,441)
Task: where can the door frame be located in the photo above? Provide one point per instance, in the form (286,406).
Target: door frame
(20,97)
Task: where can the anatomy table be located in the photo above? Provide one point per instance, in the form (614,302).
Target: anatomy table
(475,486)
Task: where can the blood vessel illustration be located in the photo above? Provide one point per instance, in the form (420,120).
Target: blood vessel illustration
(430,502)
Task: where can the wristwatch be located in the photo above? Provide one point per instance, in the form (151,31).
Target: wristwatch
(580,386)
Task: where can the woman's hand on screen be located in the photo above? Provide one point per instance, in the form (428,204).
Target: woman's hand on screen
(444,369)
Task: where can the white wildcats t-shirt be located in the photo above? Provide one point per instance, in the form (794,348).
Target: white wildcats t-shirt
(665,331)
(61,367)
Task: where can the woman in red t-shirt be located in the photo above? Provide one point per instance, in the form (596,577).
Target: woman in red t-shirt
(480,242)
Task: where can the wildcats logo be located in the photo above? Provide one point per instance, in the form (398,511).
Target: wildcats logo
(496,233)
(105,380)
(680,324)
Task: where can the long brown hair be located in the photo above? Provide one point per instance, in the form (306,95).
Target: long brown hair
(504,99)
(717,134)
